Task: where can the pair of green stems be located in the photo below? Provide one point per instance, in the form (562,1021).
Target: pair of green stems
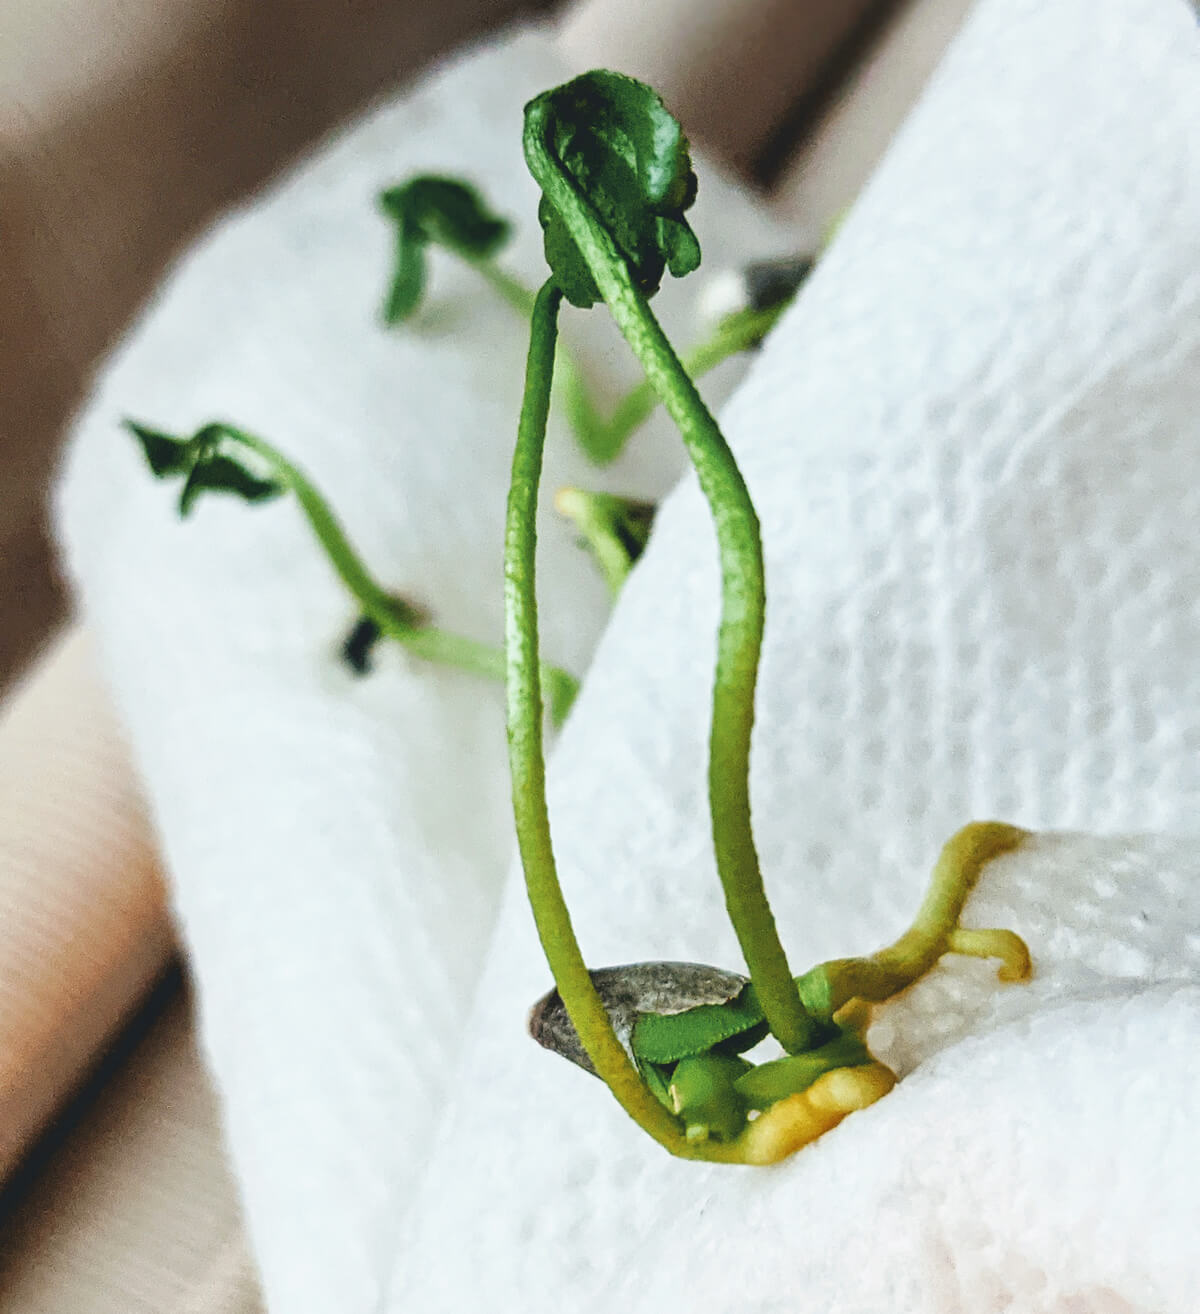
(786,1124)
(603,438)
(934,931)
(739,641)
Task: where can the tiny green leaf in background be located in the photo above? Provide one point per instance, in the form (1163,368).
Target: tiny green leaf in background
(209,463)
(166,455)
(431,209)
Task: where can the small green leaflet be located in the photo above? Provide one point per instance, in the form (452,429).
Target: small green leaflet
(165,455)
(432,209)
(209,462)
(619,147)
(666,1038)
(732,1027)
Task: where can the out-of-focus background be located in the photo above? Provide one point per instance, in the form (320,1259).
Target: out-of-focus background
(125,126)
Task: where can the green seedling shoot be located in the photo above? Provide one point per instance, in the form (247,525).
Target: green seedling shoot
(613,529)
(669,1039)
(431,210)
(219,458)
(436,210)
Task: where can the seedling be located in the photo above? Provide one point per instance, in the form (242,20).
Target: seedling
(614,530)
(668,1039)
(432,210)
(671,1040)
(438,210)
(219,458)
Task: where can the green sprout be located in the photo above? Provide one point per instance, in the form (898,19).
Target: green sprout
(613,529)
(450,213)
(447,212)
(669,1039)
(603,438)
(219,458)
(672,1041)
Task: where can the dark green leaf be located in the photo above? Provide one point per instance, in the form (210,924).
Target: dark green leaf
(446,212)
(620,148)
(205,462)
(165,454)
(358,647)
(771,283)
(214,473)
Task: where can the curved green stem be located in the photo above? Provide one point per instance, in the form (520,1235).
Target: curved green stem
(736,333)
(614,529)
(603,438)
(527,762)
(739,637)
(509,289)
(583,415)
(425,641)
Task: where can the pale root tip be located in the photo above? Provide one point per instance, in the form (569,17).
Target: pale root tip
(1016,964)
(800,1119)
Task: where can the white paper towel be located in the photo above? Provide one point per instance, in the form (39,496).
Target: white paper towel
(336,846)
(973,447)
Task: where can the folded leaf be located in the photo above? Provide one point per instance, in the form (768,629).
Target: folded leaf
(623,151)
(446,212)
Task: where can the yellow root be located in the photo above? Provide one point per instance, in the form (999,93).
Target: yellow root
(852,985)
(935,930)
(1012,951)
(797,1121)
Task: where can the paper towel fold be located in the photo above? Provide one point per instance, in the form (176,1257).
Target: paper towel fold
(336,847)
(973,445)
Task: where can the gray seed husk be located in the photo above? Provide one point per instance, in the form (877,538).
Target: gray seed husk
(628,991)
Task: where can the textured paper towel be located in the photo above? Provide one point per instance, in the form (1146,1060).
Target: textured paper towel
(974,448)
(336,847)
